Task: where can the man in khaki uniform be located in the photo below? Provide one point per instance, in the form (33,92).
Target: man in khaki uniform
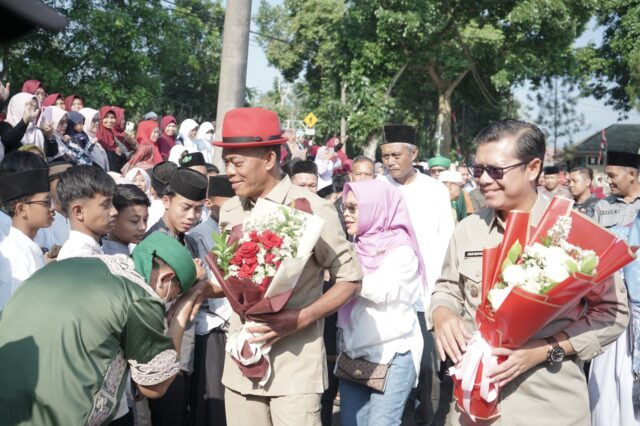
(291,396)
(534,391)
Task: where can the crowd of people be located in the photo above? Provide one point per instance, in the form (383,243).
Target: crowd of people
(109,312)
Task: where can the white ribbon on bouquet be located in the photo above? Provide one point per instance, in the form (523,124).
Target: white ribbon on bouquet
(478,351)
(236,341)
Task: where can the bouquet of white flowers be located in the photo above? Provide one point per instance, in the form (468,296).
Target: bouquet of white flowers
(533,276)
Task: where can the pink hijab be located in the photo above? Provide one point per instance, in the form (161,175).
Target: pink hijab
(383,223)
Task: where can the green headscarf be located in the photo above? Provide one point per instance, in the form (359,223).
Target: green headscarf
(439,161)
(171,252)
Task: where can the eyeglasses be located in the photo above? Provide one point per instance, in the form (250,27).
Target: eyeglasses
(495,173)
(350,207)
(44,203)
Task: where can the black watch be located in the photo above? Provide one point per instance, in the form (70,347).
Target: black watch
(556,353)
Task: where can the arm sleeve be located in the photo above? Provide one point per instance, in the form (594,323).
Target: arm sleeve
(448,290)
(606,317)
(151,354)
(396,280)
(12,137)
(333,251)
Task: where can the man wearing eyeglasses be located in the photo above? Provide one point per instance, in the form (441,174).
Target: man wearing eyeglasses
(430,212)
(507,165)
(363,168)
(24,195)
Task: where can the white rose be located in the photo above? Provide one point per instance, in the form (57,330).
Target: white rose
(513,275)
(497,296)
(556,271)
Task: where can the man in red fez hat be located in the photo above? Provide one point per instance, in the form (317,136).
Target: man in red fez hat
(251,141)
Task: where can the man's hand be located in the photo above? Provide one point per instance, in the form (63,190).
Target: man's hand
(185,307)
(518,361)
(5,91)
(201,273)
(278,326)
(451,334)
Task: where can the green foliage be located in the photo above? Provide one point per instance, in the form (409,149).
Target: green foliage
(139,54)
(399,58)
(615,64)
(223,251)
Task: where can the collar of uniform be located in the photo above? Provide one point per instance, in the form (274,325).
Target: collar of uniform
(617,199)
(278,194)
(536,213)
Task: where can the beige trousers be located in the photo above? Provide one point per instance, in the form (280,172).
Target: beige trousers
(287,410)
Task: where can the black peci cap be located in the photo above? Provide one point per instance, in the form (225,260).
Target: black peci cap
(24,183)
(394,133)
(624,159)
(161,175)
(189,184)
(219,186)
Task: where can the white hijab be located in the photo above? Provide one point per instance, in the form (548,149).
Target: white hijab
(15,111)
(204,139)
(176,152)
(131,175)
(185,128)
(98,154)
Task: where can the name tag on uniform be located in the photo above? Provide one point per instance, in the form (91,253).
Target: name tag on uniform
(469,254)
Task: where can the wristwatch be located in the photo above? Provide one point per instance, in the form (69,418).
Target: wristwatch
(556,353)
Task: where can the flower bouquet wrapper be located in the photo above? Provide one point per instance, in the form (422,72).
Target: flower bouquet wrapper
(523,314)
(249,301)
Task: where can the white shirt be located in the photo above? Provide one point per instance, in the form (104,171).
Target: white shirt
(5,225)
(430,211)
(24,258)
(383,321)
(156,211)
(79,245)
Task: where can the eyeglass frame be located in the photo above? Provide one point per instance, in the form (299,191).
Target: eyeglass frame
(488,169)
(43,203)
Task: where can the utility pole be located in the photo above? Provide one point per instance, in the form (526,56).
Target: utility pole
(555,118)
(233,64)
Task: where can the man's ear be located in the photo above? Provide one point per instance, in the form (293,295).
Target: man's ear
(208,203)
(166,201)
(534,167)
(164,278)
(414,154)
(77,211)
(271,161)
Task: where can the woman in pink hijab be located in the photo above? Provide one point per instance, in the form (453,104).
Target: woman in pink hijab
(381,324)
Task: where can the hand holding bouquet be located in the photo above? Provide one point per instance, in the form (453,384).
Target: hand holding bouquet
(531,278)
(258,266)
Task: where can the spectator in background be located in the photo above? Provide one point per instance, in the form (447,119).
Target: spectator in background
(460,200)
(73,103)
(151,116)
(35,88)
(363,168)
(187,134)
(167,139)
(194,161)
(20,126)
(327,161)
(54,99)
(148,134)
(91,125)
(580,179)
(437,165)
(291,148)
(551,186)
(203,140)
(305,174)
(140,178)
(110,137)
(143,158)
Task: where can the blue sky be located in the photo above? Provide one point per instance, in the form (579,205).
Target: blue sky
(597,115)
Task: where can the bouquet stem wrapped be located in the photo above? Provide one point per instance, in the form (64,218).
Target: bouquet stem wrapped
(530,279)
(258,267)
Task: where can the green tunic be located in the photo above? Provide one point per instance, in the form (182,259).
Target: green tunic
(70,334)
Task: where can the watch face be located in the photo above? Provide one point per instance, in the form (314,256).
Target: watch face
(556,355)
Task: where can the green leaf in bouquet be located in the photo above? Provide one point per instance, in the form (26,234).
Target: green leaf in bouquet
(512,256)
(589,264)
(572,266)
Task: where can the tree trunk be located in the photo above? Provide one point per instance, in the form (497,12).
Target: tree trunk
(443,122)
(343,104)
(233,64)
(369,150)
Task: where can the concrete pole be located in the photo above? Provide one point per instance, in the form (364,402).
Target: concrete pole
(233,64)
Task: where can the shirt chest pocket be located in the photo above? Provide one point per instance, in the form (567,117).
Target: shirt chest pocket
(471,275)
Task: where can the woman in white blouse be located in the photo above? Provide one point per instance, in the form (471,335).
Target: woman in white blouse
(381,325)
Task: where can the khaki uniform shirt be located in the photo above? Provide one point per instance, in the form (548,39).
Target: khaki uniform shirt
(614,211)
(298,361)
(545,394)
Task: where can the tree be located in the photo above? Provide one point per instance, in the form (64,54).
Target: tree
(376,47)
(613,68)
(139,54)
(556,102)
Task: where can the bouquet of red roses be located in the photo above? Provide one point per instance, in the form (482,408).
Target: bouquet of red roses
(532,277)
(258,266)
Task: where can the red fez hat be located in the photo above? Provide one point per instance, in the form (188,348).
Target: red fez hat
(250,127)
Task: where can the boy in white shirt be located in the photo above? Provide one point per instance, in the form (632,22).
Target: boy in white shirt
(85,194)
(24,194)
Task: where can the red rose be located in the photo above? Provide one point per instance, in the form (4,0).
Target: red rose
(248,250)
(253,236)
(246,271)
(268,258)
(270,240)
(236,259)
